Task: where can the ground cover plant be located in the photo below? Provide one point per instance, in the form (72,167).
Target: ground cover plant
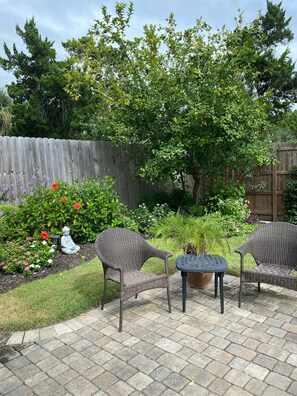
(33,255)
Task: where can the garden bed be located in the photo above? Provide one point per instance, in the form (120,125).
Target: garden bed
(62,262)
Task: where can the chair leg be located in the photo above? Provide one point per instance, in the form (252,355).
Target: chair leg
(103,295)
(258,286)
(240,293)
(168,297)
(121,315)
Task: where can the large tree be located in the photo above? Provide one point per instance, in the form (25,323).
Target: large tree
(264,54)
(179,95)
(41,107)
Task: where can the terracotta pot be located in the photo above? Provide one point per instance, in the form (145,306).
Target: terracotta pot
(199,280)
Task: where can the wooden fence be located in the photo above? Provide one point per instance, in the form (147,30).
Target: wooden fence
(70,160)
(266,188)
(67,160)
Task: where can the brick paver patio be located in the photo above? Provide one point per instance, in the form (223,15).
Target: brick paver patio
(246,351)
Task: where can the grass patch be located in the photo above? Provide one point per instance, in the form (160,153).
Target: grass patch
(70,293)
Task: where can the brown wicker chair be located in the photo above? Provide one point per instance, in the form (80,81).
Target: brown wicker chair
(274,248)
(123,253)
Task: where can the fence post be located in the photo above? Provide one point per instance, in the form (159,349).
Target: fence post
(274,192)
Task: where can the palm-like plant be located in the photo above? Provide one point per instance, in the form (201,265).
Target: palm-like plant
(195,235)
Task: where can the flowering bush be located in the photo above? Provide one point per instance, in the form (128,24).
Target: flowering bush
(86,208)
(33,255)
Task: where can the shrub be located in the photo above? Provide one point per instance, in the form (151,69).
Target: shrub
(229,201)
(290,197)
(86,208)
(177,199)
(145,218)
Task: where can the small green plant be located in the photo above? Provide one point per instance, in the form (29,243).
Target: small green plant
(29,256)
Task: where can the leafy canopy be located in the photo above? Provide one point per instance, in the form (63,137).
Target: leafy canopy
(179,95)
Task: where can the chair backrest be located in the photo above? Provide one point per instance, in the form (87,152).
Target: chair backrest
(275,243)
(123,248)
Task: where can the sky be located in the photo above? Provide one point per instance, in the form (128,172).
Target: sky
(63,20)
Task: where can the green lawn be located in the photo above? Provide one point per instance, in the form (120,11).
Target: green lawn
(65,295)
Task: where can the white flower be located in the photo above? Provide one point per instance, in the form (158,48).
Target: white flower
(49,261)
(31,265)
(52,250)
(44,242)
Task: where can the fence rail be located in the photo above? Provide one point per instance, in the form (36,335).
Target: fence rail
(68,160)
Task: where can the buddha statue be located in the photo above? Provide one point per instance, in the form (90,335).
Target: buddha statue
(67,244)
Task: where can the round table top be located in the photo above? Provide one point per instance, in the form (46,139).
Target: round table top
(201,263)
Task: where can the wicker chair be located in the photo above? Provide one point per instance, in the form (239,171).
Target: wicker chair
(274,248)
(123,253)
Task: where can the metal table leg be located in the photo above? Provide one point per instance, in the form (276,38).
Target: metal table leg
(184,290)
(221,276)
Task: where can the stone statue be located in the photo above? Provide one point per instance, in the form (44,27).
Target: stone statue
(67,244)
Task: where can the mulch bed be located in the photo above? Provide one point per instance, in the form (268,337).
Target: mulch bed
(62,262)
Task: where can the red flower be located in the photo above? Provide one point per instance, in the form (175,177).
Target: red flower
(55,186)
(77,206)
(63,199)
(44,235)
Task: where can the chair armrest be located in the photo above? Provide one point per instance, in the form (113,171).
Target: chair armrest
(109,264)
(242,250)
(161,254)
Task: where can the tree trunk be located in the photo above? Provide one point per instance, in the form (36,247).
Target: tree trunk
(198,187)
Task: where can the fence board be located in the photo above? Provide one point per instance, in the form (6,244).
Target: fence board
(68,160)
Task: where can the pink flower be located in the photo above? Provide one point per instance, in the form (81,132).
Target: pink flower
(27,268)
(36,255)
(28,253)
(5,267)
(2,263)
(22,247)
(28,238)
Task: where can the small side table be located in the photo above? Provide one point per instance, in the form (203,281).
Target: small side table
(202,263)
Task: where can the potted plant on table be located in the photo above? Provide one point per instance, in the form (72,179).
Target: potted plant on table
(194,235)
